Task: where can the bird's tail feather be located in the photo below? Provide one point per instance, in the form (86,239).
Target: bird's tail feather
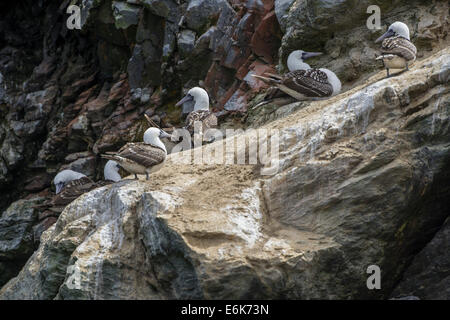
(281,101)
(110,157)
(267,80)
(274,76)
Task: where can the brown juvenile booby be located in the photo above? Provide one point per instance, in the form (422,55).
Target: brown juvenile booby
(142,157)
(201,110)
(397,50)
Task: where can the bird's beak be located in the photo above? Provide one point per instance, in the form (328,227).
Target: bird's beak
(387,34)
(185,99)
(307,55)
(59,187)
(164,134)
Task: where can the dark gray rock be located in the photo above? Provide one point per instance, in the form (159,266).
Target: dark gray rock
(201,14)
(428,276)
(125,14)
(135,67)
(160,8)
(281,10)
(186,42)
(16,237)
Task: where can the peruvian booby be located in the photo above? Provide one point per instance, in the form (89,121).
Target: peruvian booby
(201,110)
(69,185)
(301,82)
(142,157)
(306,84)
(69,179)
(397,50)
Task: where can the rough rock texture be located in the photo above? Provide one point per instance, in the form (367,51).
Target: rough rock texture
(338,28)
(362,180)
(428,276)
(16,237)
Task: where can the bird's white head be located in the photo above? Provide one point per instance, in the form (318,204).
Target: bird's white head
(396,29)
(65,176)
(154,135)
(199,96)
(296,58)
(111,171)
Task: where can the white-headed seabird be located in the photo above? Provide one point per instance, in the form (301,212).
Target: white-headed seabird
(397,50)
(305,83)
(142,157)
(69,179)
(201,110)
(296,59)
(69,185)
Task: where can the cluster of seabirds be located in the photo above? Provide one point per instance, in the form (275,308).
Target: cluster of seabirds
(301,83)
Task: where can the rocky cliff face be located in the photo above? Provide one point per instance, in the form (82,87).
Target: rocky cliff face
(68,95)
(362,180)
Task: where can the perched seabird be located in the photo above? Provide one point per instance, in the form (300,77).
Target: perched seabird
(69,179)
(301,82)
(142,157)
(306,84)
(201,110)
(397,50)
(69,185)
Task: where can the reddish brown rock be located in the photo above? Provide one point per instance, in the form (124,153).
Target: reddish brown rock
(265,42)
(118,91)
(38,182)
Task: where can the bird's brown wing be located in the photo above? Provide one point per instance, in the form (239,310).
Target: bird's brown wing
(210,121)
(143,154)
(207,118)
(72,190)
(399,46)
(311,82)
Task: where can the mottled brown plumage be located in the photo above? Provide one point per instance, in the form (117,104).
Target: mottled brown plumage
(302,84)
(139,158)
(399,46)
(142,157)
(206,117)
(71,191)
(311,82)
(144,154)
(397,50)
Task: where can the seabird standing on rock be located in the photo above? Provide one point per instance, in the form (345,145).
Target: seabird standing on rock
(201,110)
(397,50)
(142,157)
(305,84)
